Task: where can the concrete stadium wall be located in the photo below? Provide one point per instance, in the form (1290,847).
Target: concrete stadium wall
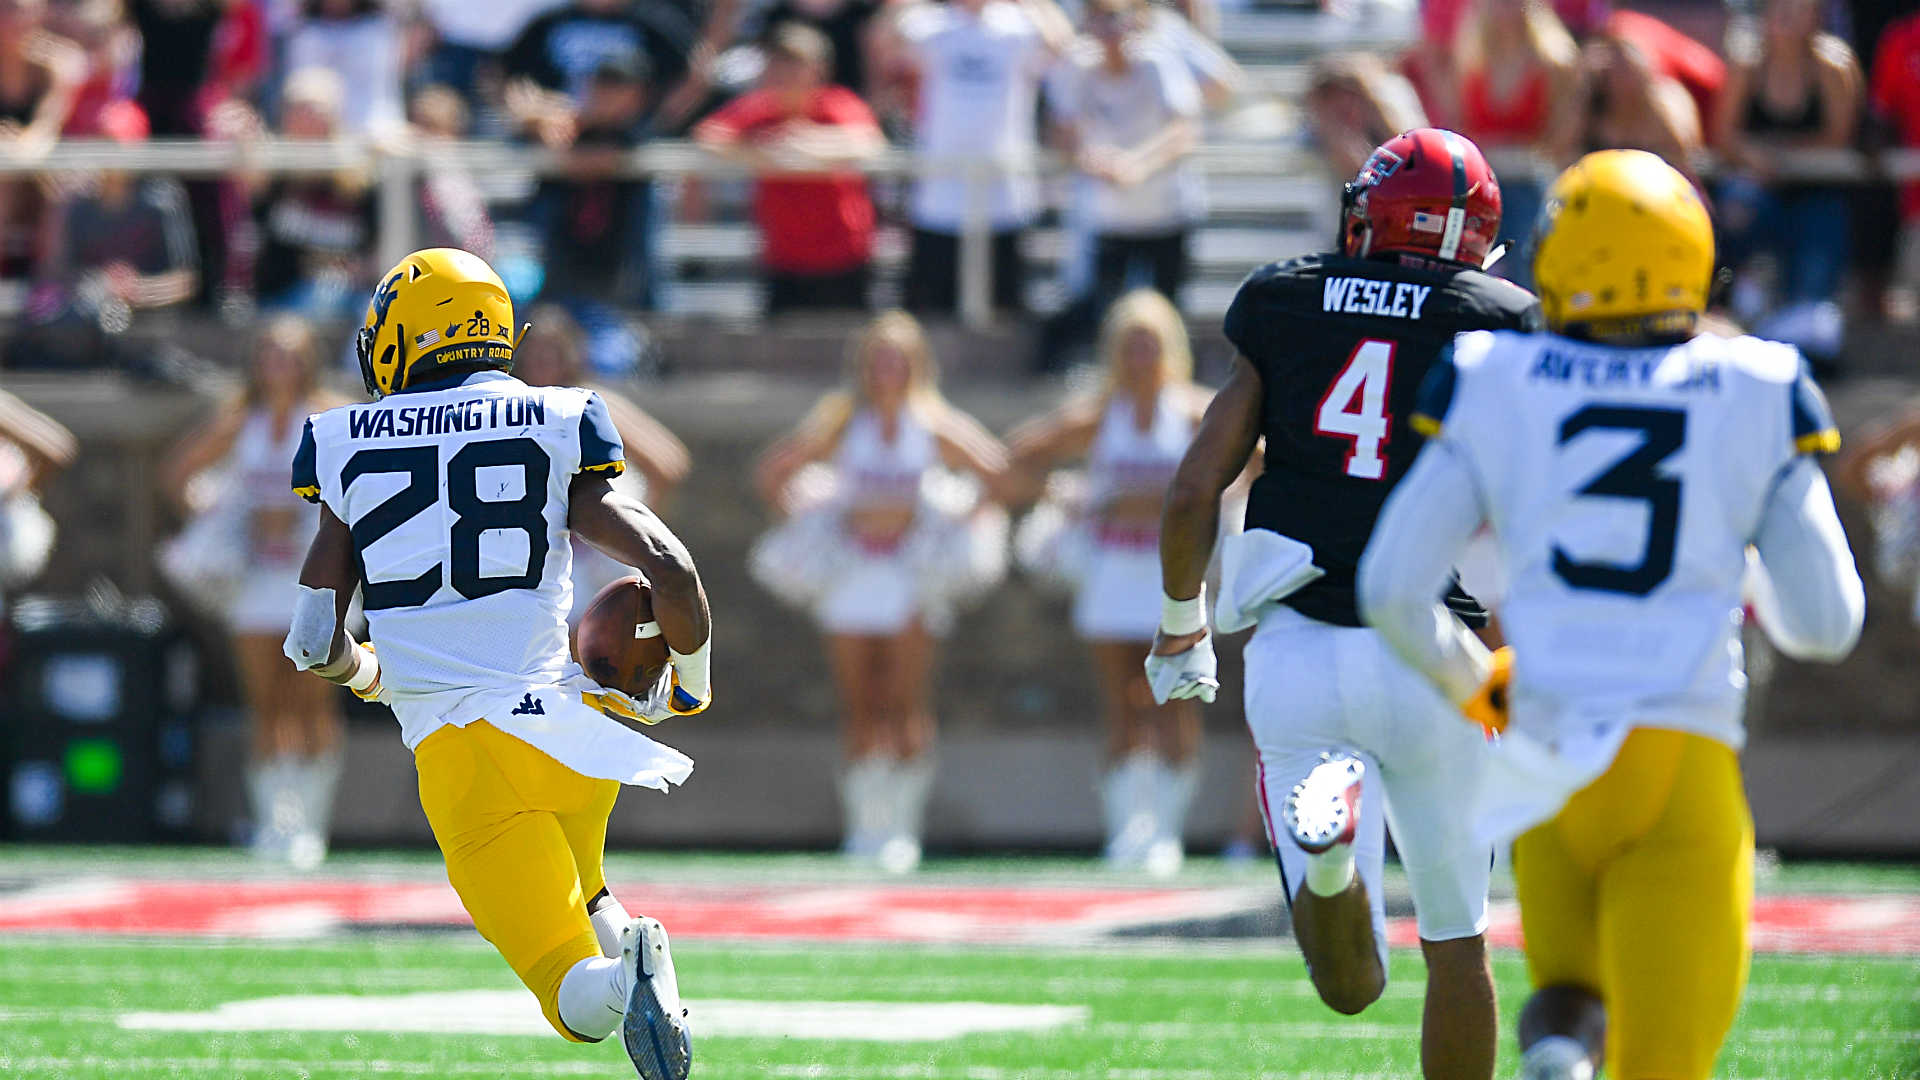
(1834,764)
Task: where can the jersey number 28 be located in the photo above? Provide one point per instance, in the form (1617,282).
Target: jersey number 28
(1355,407)
(472,515)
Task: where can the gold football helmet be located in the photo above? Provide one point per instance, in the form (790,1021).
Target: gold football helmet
(1623,248)
(441,311)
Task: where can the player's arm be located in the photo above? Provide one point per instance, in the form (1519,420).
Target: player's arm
(317,640)
(1218,454)
(622,528)
(1423,529)
(1812,604)
(1181,663)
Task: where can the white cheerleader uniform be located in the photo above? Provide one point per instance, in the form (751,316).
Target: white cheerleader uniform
(1118,594)
(954,551)
(875,593)
(275,524)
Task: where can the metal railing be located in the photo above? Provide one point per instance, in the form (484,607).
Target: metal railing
(395,167)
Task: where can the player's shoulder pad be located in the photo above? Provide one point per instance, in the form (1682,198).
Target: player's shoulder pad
(1465,354)
(306,465)
(1810,419)
(1269,295)
(1491,303)
(1814,431)
(600,449)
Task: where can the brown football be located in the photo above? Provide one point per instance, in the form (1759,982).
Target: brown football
(609,644)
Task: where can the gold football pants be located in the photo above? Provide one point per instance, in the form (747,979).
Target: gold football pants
(1640,891)
(523,837)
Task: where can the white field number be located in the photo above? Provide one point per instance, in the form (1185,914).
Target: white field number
(1356,407)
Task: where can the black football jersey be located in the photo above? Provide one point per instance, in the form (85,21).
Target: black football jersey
(1342,345)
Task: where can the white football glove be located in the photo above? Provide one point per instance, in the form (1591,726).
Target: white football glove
(1184,675)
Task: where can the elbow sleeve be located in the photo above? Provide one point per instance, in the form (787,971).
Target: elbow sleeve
(1812,603)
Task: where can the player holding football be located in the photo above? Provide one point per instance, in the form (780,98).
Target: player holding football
(448,502)
(1626,464)
(1332,349)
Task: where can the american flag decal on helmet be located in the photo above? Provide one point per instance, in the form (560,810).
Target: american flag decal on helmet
(1425,222)
(421,341)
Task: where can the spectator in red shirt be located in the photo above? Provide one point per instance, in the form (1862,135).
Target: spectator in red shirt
(1896,94)
(805,139)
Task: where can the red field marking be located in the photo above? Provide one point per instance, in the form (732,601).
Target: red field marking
(818,913)
(1888,925)
(1883,925)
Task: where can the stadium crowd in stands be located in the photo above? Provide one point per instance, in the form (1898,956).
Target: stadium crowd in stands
(800,90)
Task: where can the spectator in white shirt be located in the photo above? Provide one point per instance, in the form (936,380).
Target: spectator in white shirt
(358,40)
(978,64)
(1127,112)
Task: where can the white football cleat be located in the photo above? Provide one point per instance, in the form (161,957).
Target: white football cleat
(655,1027)
(1324,809)
(1556,1057)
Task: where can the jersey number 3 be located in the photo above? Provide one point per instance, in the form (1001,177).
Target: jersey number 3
(472,515)
(1635,476)
(1355,407)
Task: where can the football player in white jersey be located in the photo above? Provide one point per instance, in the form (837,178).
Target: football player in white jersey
(449,502)
(1627,465)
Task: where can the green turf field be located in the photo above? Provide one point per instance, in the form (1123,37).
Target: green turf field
(1152,1009)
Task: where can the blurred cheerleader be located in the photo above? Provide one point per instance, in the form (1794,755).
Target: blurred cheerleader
(1101,539)
(888,530)
(240,557)
(657,461)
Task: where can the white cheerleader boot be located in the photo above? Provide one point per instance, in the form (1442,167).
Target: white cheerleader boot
(1173,787)
(863,800)
(1127,795)
(910,783)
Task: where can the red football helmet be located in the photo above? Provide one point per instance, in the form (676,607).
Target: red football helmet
(1425,192)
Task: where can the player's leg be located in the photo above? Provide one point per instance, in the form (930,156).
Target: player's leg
(1674,908)
(1296,713)
(850,657)
(1429,759)
(509,860)
(1127,788)
(1563,1026)
(585,828)
(632,982)
(1339,910)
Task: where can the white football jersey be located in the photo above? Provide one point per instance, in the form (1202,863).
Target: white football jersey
(1623,487)
(457,501)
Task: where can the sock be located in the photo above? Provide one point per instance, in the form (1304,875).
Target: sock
(608,919)
(1330,872)
(593,997)
(1563,1053)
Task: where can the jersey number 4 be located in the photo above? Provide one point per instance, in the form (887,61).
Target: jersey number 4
(472,515)
(1355,408)
(1635,476)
